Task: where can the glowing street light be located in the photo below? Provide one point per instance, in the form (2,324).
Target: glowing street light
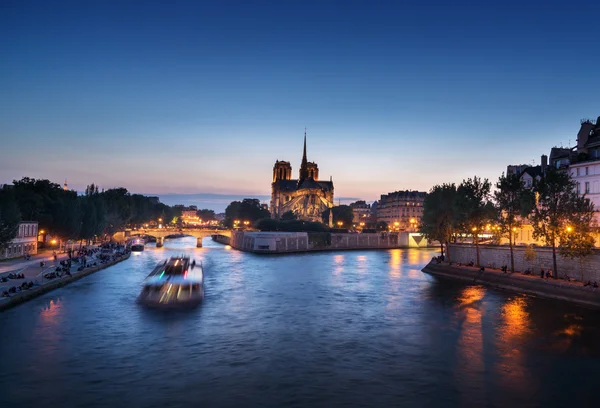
(569,228)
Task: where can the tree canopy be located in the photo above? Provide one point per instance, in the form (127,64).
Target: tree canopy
(249,209)
(341,213)
(514,203)
(439,217)
(562,217)
(9,216)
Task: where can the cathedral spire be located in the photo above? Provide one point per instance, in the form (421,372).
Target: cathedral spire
(304,165)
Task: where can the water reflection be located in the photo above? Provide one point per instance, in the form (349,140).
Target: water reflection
(469,348)
(512,333)
(395,263)
(322,329)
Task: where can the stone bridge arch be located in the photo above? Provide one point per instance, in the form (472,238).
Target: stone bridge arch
(161,233)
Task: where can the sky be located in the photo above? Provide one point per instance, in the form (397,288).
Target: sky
(201,97)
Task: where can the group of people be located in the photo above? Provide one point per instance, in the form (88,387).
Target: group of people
(16,289)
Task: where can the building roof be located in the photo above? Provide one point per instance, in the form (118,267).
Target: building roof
(292,185)
(534,171)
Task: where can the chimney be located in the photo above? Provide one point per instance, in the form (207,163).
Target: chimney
(544,163)
(583,135)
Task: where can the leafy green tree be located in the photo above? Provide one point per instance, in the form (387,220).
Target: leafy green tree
(10,216)
(249,209)
(288,215)
(437,223)
(267,224)
(341,213)
(206,214)
(473,209)
(562,217)
(514,203)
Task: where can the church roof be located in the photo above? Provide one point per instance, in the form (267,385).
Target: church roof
(292,185)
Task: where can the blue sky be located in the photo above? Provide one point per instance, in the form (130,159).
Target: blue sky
(203,97)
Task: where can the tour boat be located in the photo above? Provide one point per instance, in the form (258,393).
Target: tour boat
(137,246)
(174,282)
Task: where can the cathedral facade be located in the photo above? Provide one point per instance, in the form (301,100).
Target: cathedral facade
(306,196)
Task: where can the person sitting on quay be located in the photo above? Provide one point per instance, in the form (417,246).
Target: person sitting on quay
(549,273)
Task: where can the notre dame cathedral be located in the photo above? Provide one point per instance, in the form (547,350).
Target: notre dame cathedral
(307,197)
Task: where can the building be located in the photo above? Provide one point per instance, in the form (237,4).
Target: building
(585,170)
(189,216)
(25,242)
(401,210)
(307,197)
(361,211)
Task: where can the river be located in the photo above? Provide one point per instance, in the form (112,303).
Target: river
(356,328)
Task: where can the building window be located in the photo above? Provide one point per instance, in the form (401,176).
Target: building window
(578,171)
(586,171)
(578,188)
(587,187)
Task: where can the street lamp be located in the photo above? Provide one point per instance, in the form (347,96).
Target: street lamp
(340,223)
(397,225)
(246,223)
(569,228)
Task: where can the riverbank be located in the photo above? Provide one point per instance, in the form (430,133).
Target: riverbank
(278,242)
(20,297)
(574,292)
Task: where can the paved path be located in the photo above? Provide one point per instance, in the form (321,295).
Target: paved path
(32,270)
(16,264)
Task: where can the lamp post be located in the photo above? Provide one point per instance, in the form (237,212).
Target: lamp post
(246,223)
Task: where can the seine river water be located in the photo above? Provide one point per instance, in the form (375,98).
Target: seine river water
(360,328)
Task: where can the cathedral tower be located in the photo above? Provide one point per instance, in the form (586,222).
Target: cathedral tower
(282,170)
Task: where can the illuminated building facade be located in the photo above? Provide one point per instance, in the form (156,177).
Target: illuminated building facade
(25,242)
(307,197)
(401,210)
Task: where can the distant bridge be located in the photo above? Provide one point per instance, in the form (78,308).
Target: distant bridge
(161,233)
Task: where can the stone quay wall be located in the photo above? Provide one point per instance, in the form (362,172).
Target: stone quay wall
(550,288)
(221,239)
(495,256)
(36,291)
(288,242)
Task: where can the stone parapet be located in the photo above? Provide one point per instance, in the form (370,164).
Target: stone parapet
(495,256)
(551,288)
(287,242)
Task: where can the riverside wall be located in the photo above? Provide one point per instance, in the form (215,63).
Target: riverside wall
(23,296)
(494,256)
(574,292)
(289,242)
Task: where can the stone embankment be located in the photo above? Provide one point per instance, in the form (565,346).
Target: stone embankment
(47,286)
(291,242)
(532,284)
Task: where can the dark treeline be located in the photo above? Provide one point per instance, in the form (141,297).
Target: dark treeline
(67,215)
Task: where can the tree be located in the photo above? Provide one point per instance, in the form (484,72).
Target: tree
(288,215)
(437,223)
(341,213)
(562,217)
(249,209)
(206,214)
(267,224)
(10,217)
(473,209)
(514,203)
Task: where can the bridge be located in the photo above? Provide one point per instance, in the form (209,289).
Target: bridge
(161,233)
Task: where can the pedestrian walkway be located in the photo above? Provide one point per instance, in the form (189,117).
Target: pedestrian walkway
(12,265)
